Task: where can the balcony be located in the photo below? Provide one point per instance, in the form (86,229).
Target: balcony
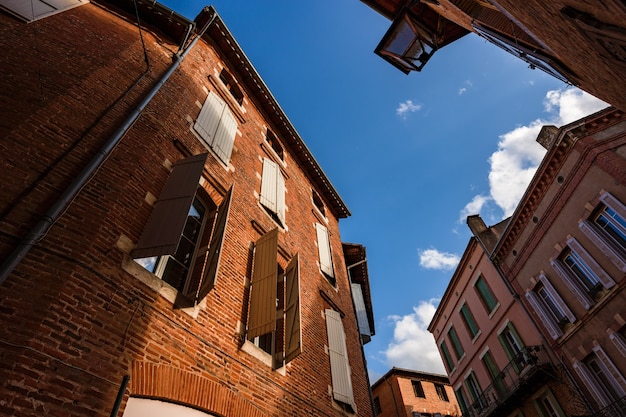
(618,408)
(519,379)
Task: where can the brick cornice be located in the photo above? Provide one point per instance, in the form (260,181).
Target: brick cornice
(159,381)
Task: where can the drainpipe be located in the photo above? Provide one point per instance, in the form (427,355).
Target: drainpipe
(70,193)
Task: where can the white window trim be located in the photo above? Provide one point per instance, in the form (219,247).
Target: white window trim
(619,342)
(557,298)
(544,316)
(612,372)
(605,279)
(571,283)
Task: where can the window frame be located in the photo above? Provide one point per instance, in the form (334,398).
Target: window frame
(232,86)
(418,389)
(457,347)
(447,358)
(484,298)
(440,389)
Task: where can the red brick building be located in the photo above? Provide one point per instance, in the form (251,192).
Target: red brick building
(168,240)
(580,42)
(407,393)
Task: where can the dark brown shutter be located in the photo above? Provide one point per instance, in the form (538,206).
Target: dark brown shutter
(165,224)
(262,312)
(293,334)
(208,274)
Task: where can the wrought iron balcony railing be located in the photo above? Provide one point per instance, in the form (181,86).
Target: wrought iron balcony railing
(514,380)
(618,408)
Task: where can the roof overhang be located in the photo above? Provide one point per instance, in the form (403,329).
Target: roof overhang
(356,262)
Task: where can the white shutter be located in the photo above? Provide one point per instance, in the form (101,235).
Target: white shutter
(604,278)
(280,196)
(361,312)
(619,342)
(614,203)
(225,136)
(557,298)
(268,185)
(339,366)
(589,380)
(582,296)
(38,9)
(548,322)
(323,247)
(596,236)
(617,379)
(209,118)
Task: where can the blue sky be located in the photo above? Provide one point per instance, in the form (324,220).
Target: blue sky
(412,155)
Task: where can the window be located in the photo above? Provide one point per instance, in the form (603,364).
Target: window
(418,390)
(548,406)
(377,406)
(38,9)
(607,229)
(492,369)
(485,294)
(582,274)
(317,201)
(272,140)
(619,340)
(181,242)
(447,359)
(456,344)
(514,347)
(340,368)
(550,307)
(273,191)
(468,320)
(462,400)
(232,86)
(601,377)
(217,127)
(441,392)
(478,400)
(273,289)
(325,253)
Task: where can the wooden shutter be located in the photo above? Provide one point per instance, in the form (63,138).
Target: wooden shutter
(619,384)
(619,342)
(280,196)
(262,312)
(557,298)
(583,372)
(209,118)
(268,185)
(604,278)
(548,322)
(293,325)
(582,296)
(339,366)
(212,256)
(596,236)
(361,311)
(38,9)
(167,220)
(612,202)
(225,136)
(323,247)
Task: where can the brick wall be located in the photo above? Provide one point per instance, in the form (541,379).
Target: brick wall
(74,321)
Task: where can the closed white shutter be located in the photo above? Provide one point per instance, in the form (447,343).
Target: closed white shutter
(339,366)
(323,247)
(269,185)
(38,9)
(280,196)
(598,394)
(217,126)
(361,312)
(604,278)
(596,236)
(580,294)
(546,319)
(557,298)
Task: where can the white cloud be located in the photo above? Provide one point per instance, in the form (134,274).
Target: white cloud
(433,259)
(474,206)
(407,107)
(413,347)
(462,90)
(518,156)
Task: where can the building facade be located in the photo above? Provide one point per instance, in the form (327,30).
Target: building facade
(578,42)
(497,360)
(408,393)
(565,253)
(169,243)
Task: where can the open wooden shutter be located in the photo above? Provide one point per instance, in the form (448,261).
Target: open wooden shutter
(262,312)
(557,298)
(618,381)
(582,296)
(225,136)
(361,311)
(293,332)
(596,236)
(208,274)
(339,366)
(323,247)
(209,118)
(585,374)
(167,220)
